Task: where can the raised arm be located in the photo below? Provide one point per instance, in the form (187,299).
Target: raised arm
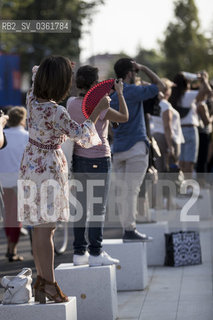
(122,115)
(30,95)
(151,75)
(205,87)
(103,104)
(84,134)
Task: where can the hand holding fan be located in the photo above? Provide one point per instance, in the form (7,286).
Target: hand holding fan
(95,94)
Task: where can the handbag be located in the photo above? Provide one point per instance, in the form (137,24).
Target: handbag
(17,288)
(183,248)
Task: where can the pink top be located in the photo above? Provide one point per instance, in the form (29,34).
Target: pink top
(75,112)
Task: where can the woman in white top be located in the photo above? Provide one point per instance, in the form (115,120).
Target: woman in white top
(11,155)
(185,102)
(166,129)
(168,134)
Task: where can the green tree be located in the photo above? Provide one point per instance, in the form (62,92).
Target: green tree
(184,47)
(33,47)
(152,59)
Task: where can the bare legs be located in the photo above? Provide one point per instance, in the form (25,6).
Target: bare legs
(12,247)
(43,251)
(12,226)
(187,168)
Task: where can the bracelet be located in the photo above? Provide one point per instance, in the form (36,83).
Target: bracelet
(120,94)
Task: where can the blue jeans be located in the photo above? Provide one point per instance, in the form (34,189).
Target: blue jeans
(85,170)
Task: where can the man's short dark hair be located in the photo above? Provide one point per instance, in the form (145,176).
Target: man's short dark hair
(122,67)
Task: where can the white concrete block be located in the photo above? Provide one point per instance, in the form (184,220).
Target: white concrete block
(132,270)
(94,287)
(36,311)
(155,249)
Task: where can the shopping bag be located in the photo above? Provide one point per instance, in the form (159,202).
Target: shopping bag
(183,248)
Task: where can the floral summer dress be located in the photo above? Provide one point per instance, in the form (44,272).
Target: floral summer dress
(43,177)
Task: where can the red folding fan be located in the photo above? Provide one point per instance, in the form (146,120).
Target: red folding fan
(95,94)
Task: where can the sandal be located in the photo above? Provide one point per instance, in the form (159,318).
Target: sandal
(14,257)
(36,286)
(42,293)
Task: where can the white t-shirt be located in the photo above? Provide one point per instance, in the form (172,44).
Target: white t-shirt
(157,122)
(11,155)
(188,101)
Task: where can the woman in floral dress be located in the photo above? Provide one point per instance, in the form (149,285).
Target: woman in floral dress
(44,165)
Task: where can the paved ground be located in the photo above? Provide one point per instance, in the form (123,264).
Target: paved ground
(183,293)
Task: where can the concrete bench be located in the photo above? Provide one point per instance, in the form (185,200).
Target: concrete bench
(94,287)
(36,311)
(132,270)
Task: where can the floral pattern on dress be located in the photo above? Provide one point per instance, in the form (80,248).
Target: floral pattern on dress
(49,124)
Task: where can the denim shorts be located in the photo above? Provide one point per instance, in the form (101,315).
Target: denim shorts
(189,149)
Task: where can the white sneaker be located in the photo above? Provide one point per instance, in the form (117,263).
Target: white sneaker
(79,260)
(102,260)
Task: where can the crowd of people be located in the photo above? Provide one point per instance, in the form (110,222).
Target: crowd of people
(11,155)
(166,117)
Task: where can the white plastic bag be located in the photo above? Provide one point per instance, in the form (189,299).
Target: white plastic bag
(17,288)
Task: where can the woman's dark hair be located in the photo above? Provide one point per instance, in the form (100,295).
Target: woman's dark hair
(122,67)
(16,116)
(178,90)
(53,79)
(85,77)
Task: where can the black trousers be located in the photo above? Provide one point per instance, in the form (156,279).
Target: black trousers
(203,152)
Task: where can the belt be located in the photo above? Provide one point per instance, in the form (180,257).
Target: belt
(44,146)
(188,125)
